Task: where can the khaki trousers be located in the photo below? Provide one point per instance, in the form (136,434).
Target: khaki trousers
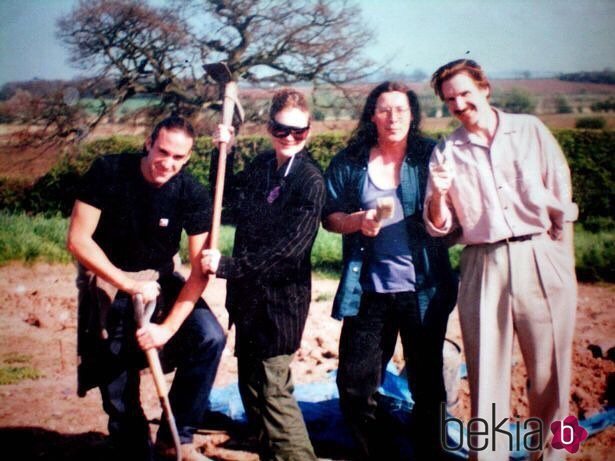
(266,390)
(527,288)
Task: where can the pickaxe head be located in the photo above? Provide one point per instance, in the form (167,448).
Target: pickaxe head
(221,74)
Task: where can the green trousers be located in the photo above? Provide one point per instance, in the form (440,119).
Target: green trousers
(266,389)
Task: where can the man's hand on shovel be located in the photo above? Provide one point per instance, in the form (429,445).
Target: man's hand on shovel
(152,335)
(149,335)
(146,335)
(148,289)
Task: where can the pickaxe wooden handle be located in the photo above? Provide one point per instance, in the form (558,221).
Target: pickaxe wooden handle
(228,109)
(221,74)
(143,315)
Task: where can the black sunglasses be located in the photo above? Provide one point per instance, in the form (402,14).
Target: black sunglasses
(279,130)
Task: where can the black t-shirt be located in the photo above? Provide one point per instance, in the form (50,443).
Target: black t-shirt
(140,224)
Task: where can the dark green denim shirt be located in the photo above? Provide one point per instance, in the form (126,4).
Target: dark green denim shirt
(436,284)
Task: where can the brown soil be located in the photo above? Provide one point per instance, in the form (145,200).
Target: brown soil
(44,418)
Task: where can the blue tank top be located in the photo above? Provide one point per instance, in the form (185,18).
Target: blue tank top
(388,267)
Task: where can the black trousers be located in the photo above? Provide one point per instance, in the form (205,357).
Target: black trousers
(194,351)
(367,344)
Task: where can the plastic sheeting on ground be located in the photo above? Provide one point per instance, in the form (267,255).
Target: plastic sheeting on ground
(319,403)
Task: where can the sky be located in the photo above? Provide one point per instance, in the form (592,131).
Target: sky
(504,36)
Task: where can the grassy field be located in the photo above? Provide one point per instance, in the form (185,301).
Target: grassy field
(33,238)
(36,238)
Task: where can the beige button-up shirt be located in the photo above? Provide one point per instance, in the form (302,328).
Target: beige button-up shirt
(517,186)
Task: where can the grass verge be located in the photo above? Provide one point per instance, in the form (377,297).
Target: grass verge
(33,238)
(38,238)
(11,373)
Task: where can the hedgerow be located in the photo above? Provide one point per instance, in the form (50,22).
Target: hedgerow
(589,154)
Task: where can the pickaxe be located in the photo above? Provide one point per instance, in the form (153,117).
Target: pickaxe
(143,314)
(231,106)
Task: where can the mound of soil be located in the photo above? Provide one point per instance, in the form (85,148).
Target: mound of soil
(44,419)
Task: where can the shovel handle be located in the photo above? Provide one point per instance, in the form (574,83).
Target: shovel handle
(142,317)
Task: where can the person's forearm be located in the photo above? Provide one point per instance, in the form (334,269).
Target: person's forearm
(192,289)
(439,212)
(344,223)
(88,253)
(186,300)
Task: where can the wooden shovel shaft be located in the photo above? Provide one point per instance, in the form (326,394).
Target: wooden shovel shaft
(155,367)
(160,383)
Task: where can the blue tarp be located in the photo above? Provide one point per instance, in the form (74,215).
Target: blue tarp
(319,403)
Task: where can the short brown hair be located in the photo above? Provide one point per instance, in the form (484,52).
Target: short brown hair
(173,122)
(449,70)
(287,97)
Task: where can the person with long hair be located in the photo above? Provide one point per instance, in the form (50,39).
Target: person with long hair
(278,199)
(396,278)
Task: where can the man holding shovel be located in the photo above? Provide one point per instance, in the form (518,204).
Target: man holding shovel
(125,230)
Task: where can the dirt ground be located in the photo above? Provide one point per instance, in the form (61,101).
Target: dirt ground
(43,418)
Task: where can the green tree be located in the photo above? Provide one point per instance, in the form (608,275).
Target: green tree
(517,101)
(562,105)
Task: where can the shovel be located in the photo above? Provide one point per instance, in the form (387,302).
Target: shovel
(143,314)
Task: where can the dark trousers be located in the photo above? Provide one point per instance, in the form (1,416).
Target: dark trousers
(367,344)
(266,389)
(195,351)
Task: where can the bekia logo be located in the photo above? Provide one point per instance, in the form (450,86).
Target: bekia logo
(481,434)
(568,434)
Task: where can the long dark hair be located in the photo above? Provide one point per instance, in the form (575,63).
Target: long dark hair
(365,134)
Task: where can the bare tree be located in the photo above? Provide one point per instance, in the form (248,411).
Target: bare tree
(284,41)
(154,50)
(138,46)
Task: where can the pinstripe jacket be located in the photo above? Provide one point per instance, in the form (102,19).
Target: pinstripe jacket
(269,274)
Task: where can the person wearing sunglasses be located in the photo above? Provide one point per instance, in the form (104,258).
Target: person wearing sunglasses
(277,201)
(395,279)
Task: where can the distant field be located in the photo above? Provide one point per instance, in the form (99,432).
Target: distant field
(545,93)
(431,124)
(29,163)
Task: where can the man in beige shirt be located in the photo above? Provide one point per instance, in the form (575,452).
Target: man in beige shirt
(501,182)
